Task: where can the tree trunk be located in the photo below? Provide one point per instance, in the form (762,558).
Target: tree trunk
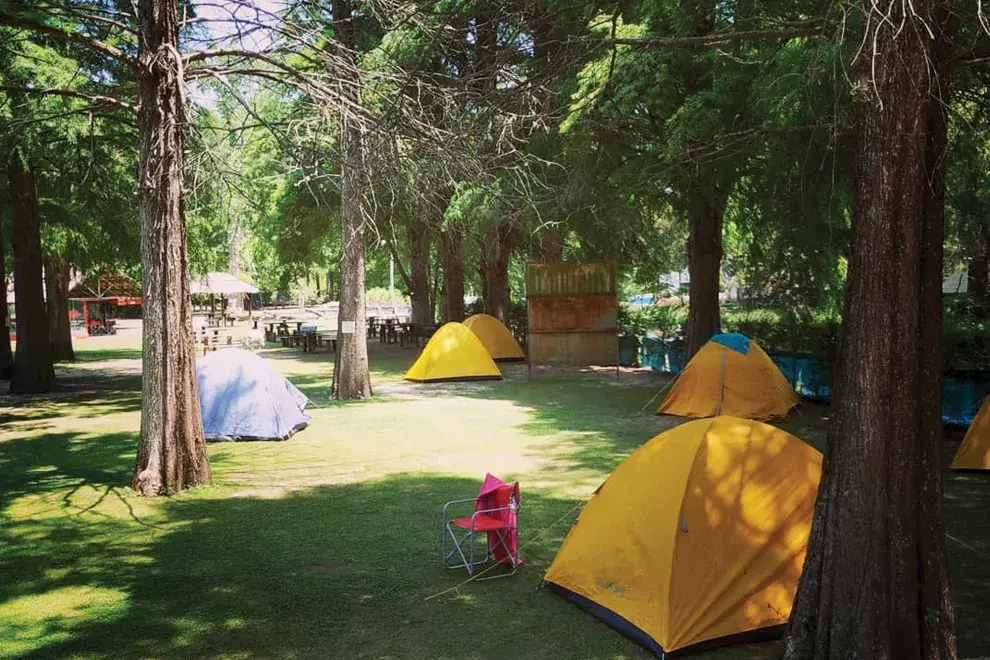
(33,372)
(6,357)
(419,265)
(350,375)
(875,581)
(172,450)
(705,267)
(551,244)
(453,276)
(57,300)
(493,269)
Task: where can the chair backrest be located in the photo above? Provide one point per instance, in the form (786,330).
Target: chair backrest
(496,494)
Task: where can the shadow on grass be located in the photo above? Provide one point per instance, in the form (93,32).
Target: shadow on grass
(336,572)
(107,354)
(58,461)
(84,404)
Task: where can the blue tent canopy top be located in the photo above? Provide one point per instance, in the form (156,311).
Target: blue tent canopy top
(242,397)
(737,342)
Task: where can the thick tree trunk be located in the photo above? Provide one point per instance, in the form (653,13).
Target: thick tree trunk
(493,269)
(705,266)
(705,202)
(453,276)
(6,356)
(551,244)
(57,300)
(875,582)
(33,372)
(419,265)
(350,375)
(172,450)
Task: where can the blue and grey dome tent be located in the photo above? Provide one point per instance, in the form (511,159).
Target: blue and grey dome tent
(242,397)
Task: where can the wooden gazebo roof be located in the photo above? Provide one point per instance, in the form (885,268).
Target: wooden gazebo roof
(106,284)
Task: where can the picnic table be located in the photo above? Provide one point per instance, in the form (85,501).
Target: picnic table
(219,320)
(388,331)
(316,340)
(274,330)
(413,332)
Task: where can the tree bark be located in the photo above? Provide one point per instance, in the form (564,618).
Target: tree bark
(551,245)
(33,372)
(419,265)
(350,375)
(493,269)
(705,267)
(57,301)
(453,276)
(172,449)
(6,356)
(704,203)
(875,581)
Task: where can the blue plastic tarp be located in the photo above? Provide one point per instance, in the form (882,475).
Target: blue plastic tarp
(811,377)
(242,397)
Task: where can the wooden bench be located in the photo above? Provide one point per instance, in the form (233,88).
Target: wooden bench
(413,332)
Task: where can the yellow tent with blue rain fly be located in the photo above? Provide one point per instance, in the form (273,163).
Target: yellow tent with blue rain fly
(697,539)
(496,337)
(453,353)
(730,375)
(974,452)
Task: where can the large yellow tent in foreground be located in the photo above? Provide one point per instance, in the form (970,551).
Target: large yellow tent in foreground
(453,353)
(730,375)
(697,539)
(496,337)
(974,452)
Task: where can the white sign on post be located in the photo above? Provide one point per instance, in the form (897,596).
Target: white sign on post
(347,327)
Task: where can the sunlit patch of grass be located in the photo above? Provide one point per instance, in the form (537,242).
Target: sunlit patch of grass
(326,545)
(38,620)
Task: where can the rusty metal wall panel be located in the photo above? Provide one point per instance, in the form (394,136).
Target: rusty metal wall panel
(572,309)
(594,312)
(570,278)
(601,348)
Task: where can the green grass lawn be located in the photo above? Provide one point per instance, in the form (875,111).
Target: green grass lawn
(326,546)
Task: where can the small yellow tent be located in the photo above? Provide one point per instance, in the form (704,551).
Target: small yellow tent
(974,452)
(697,539)
(453,353)
(730,375)
(496,337)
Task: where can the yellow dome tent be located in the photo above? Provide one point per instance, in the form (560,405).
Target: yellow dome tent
(730,375)
(496,337)
(453,353)
(697,539)
(974,452)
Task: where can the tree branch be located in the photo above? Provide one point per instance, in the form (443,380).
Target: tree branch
(95,99)
(73,37)
(708,39)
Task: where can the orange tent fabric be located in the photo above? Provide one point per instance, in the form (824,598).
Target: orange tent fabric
(496,337)
(453,353)
(721,379)
(698,538)
(974,452)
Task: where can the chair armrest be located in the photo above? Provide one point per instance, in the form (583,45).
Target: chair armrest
(487,511)
(464,501)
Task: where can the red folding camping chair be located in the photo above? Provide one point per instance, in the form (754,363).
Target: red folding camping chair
(494,517)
